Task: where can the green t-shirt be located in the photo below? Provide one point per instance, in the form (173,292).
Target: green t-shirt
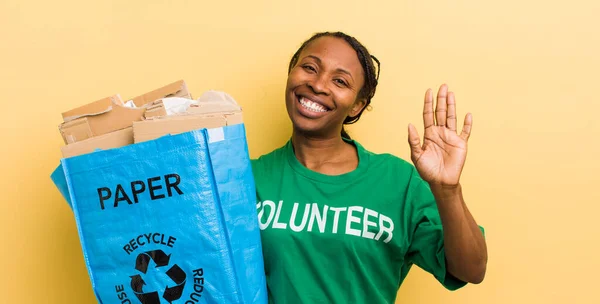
(349,238)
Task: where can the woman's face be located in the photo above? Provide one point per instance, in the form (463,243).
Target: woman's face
(323,87)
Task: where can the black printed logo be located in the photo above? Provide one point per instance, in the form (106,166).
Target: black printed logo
(172,291)
(154,265)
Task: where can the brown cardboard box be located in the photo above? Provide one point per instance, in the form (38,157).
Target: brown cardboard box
(158,109)
(176,89)
(155,128)
(212,110)
(155,109)
(97,106)
(111,140)
(116,118)
(214,102)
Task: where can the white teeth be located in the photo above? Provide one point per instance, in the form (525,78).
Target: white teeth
(311,105)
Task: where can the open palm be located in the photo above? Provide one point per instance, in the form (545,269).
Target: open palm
(441,157)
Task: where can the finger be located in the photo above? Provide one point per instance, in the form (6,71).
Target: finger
(414,140)
(428,110)
(466,131)
(440,107)
(451,116)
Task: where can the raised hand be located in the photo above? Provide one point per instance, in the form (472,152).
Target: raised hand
(441,157)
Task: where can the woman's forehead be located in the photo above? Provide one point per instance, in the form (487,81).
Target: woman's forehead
(333,51)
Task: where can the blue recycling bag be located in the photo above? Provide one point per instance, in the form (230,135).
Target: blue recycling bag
(171,220)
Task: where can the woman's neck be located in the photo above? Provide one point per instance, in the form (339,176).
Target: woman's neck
(328,155)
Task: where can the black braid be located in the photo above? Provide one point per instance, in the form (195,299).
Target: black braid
(366,61)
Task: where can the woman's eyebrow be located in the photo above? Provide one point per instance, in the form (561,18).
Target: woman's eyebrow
(314,57)
(340,70)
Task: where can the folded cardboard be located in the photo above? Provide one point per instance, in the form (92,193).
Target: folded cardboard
(209,102)
(169,106)
(213,109)
(155,109)
(93,107)
(111,123)
(111,140)
(214,102)
(157,127)
(115,118)
(176,89)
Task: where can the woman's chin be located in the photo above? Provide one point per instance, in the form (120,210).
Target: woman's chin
(312,130)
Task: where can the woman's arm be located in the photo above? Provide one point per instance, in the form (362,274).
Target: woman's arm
(440,161)
(464,244)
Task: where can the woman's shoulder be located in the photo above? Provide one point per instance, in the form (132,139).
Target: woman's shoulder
(386,165)
(273,158)
(385,159)
(395,170)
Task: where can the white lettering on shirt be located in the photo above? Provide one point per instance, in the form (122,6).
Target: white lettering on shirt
(360,221)
(277,224)
(366,224)
(382,228)
(353,219)
(336,216)
(262,225)
(304,218)
(316,214)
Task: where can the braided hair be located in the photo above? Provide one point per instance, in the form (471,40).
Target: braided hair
(366,61)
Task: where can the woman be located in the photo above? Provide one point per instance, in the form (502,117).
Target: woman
(340,224)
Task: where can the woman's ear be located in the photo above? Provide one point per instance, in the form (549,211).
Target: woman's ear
(358,106)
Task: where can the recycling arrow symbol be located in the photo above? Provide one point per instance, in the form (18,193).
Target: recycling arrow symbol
(158,256)
(175,273)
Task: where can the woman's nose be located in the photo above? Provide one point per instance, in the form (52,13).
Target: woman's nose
(319,85)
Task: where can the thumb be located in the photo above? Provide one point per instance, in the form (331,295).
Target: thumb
(414,141)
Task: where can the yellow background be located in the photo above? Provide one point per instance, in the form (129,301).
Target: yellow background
(527,70)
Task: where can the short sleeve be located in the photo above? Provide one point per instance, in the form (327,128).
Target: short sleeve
(426,248)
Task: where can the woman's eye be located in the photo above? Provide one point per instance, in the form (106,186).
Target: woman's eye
(341,82)
(309,68)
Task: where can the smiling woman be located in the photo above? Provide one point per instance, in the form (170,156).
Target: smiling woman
(341,224)
(366,79)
